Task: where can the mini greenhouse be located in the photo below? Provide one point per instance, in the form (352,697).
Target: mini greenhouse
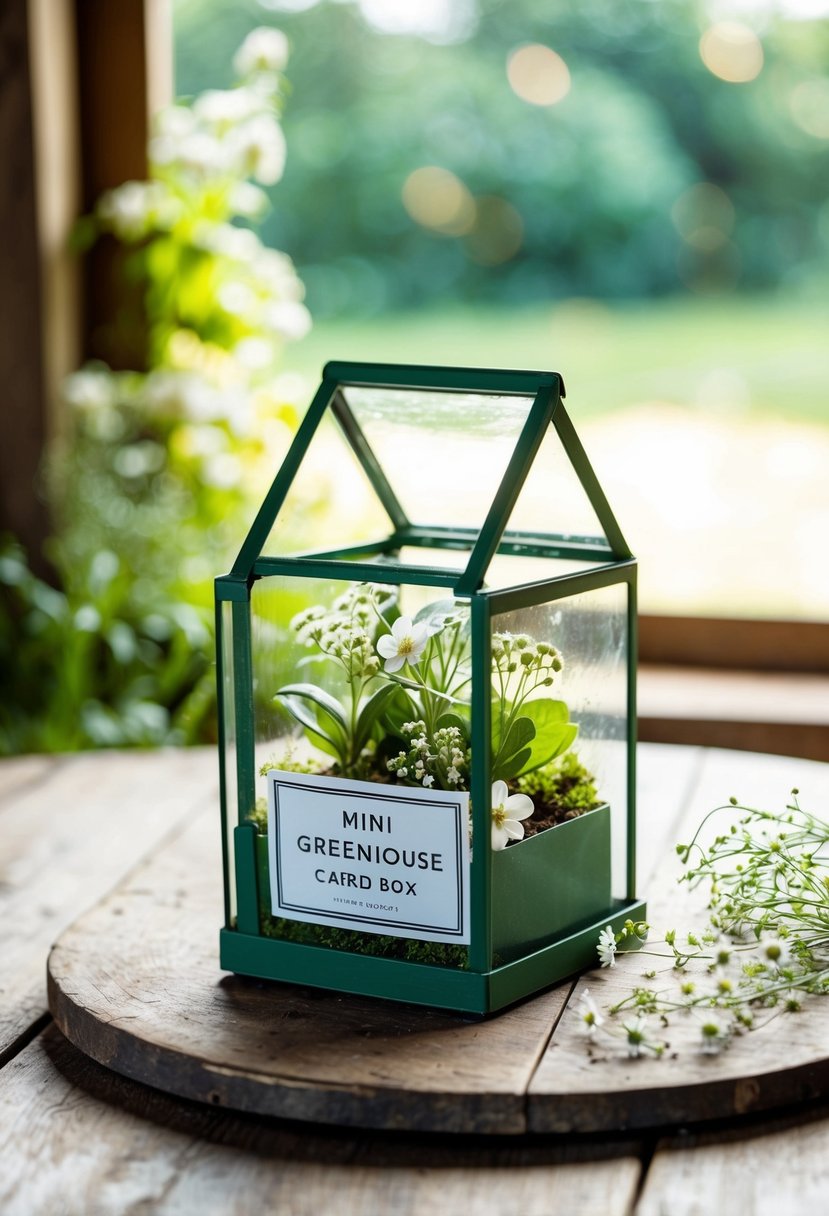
(426,653)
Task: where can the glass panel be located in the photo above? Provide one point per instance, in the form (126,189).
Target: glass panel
(552,500)
(443,453)
(509,570)
(331,502)
(562,668)
(358,683)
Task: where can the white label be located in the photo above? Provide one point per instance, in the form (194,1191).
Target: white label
(375,858)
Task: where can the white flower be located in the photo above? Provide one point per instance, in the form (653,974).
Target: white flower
(264,50)
(637,1039)
(607,947)
(507,811)
(715,1035)
(90,389)
(588,1011)
(403,645)
(224,107)
(130,209)
(288,317)
(776,952)
(259,148)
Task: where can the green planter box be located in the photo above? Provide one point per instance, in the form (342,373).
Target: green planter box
(551,884)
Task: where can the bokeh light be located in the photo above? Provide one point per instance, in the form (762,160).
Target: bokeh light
(809,105)
(497,233)
(704,216)
(438,199)
(732,51)
(538,75)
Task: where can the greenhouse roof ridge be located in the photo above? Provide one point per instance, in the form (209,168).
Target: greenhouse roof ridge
(416,375)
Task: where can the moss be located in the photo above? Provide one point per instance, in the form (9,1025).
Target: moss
(564,784)
(436,954)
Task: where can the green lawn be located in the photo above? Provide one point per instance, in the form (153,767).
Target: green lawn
(764,356)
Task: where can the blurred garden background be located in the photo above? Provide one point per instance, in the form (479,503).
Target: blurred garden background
(635,194)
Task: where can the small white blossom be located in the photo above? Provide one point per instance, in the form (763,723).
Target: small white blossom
(715,1035)
(264,50)
(403,645)
(222,108)
(637,1037)
(259,148)
(607,947)
(507,812)
(588,1012)
(775,952)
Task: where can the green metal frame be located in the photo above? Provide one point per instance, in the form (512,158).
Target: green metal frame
(485,986)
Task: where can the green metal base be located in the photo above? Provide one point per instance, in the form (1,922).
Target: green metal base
(417,983)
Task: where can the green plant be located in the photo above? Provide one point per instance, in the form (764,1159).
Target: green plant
(87,666)
(344,636)
(399,705)
(765,947)
(527,731)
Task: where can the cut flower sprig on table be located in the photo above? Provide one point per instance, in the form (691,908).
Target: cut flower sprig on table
(764,950)
(392,703)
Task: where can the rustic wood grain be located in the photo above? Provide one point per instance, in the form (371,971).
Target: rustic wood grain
(774,1168)
(135,983)
(577,1089)
(78,1140)
(70,828)
(152,1005)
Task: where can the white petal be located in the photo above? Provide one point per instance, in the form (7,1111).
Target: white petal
(419,634)
(402,628)
(514,830)
(499,793)
(387,646)
(519,806)
(394,663)
(499,837)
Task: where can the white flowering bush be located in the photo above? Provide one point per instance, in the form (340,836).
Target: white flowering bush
(211,412)
(161,463)
(763,951)
(393,701)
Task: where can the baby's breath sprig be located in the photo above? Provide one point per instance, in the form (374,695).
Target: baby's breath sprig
(765,948)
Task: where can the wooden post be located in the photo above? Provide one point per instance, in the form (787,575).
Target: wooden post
(23,410)
(78,81)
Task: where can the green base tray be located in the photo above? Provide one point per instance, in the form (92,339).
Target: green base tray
(417,983)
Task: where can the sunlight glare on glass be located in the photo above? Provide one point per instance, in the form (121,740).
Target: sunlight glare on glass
(732,52)
(437,199)
(538,75)
(441,21)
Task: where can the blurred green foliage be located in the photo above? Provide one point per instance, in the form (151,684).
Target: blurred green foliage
(651,175)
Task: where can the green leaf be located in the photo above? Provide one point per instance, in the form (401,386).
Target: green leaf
(554,733)
(320,715)
(321,698)
(512,752)
(448,720)
(369,714)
